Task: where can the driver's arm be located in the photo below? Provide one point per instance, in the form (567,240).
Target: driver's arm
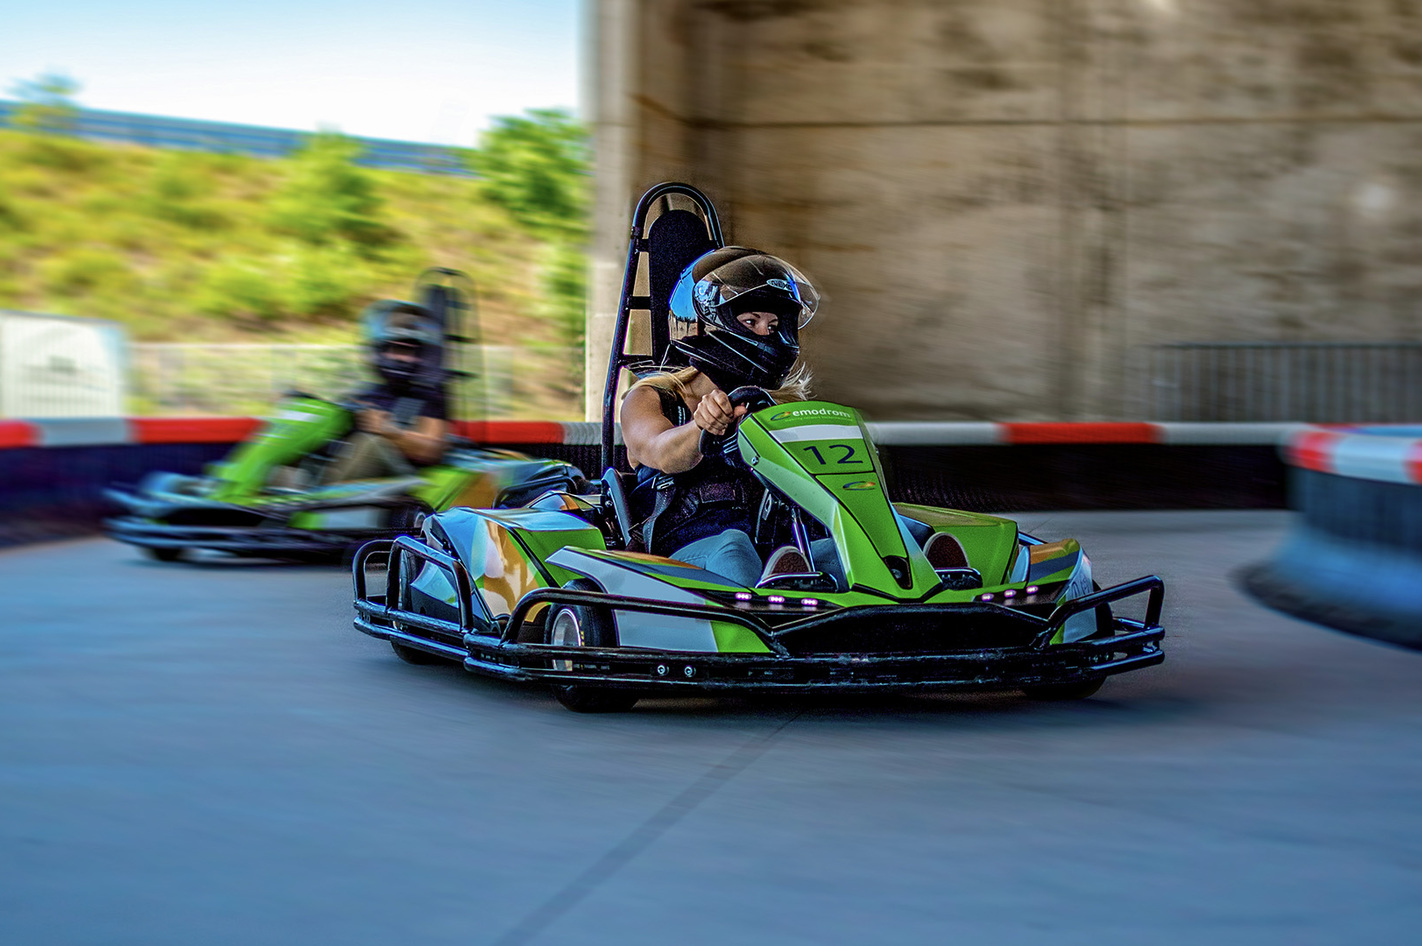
(423,443)
(652,440)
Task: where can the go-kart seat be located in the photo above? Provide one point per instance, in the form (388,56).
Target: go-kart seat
(675,240)
(615,487)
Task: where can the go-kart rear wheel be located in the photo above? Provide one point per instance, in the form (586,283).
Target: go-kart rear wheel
(406,520)
(413,655)
(163,554)
(1063,691)
(571,625)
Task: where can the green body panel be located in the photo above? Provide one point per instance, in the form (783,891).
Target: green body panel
(506,551)
(820,456)
(442,485)
(989,541)
(298,427)
(1069,562)
(361,517)
(301,426)
(543,542)
(737,639)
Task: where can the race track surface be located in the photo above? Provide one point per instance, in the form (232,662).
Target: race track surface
(211,755)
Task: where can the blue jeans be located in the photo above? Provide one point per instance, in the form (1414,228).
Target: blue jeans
(730,554)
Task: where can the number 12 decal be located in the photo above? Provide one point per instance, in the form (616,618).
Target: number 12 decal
(848,456)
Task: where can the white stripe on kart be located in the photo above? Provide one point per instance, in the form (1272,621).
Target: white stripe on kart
(818,432)
(636,628)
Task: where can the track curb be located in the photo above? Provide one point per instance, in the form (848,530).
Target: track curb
(1353,559)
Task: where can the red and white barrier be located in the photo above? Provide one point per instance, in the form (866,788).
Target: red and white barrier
(76,432)
(1372,453)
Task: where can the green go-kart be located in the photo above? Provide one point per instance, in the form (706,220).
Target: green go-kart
(242,507)
(913,598)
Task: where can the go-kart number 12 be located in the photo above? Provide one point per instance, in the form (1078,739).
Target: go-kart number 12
(846,457)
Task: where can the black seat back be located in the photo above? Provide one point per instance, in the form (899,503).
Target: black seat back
(677,239)
(674,239)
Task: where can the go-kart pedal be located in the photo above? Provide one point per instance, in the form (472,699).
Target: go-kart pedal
(944,551)
(788,568)
(785,562)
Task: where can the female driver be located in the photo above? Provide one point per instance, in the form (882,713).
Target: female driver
(748,307)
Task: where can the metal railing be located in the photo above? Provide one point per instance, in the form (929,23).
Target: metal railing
(245,379)
(1317,382)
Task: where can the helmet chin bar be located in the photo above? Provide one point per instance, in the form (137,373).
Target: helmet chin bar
(731,360)
(401,372)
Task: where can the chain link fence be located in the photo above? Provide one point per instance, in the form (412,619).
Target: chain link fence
(245,379)
(1316,382)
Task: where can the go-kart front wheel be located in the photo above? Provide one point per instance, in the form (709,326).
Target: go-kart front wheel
(571,625)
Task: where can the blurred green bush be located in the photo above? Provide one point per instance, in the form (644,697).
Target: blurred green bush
(190,246)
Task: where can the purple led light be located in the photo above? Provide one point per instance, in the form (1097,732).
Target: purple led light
(988,596)
(1033,589)
(744,596)
(1009,593)
(809,603)
(776,599)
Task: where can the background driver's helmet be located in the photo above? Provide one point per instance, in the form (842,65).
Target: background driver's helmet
(391,325)
(726,283)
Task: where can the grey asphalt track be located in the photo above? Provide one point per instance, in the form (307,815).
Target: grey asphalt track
(210,755)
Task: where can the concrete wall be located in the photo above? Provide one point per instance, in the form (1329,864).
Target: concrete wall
(1006,200)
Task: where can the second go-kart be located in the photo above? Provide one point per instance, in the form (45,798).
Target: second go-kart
(243,505)
(896,597)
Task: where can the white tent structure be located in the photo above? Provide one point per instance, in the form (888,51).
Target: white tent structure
(59,366)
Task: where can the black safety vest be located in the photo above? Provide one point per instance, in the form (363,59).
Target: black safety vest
(670,510)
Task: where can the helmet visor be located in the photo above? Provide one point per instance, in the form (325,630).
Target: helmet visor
(777,286)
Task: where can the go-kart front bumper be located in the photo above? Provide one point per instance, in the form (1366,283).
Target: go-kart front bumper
(157,521)
(1026,658)
(238,540)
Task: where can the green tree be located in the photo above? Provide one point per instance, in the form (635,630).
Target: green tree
(563,281)
(327,199)
(47,103)
(537,167)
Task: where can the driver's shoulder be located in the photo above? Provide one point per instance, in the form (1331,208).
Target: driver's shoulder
(651,399)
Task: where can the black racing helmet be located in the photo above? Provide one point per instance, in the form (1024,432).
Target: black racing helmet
(392,325)
(726,283)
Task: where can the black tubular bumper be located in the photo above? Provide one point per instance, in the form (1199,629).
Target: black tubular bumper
(492,647)
(245,540)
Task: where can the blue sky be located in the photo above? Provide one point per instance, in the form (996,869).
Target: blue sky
(416,70)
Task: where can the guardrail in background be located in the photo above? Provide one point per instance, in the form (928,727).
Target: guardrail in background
(181,378)
(1195,383)
(1315,382)
(196,135)
(53,471)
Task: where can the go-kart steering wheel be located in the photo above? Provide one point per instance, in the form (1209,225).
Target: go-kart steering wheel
(724,445)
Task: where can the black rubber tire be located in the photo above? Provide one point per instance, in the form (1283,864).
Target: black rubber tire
(413,655)
(1057,692)
(581,699)
(163,554)
(406,520)
(589,627)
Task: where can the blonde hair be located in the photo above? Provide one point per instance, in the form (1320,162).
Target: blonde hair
(795,388)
